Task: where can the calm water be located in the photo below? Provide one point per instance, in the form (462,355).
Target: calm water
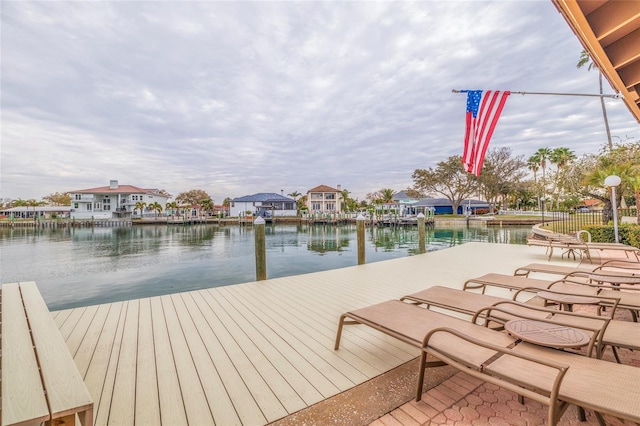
(77,267)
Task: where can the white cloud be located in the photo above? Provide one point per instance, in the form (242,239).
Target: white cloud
(243,97)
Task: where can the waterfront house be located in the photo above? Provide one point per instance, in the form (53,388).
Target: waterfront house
(113,201)
(263,204)
(444,206)
(40,212)
(324,199)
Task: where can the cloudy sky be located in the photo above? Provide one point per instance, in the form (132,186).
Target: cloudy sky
(242,97)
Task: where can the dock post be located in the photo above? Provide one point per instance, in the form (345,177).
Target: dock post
(421,234)
(260,247)
(360,235)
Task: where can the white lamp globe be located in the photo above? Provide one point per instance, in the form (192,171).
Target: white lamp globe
(612,180)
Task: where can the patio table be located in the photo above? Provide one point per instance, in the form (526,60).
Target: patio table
(566,301)
(547,334)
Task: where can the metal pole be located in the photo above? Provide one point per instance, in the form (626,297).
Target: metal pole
(616,96)
(615,213)
(360,236)
(421,234)
(260,248)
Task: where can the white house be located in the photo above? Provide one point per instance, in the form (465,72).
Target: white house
(324,199)
(113,201)
(263,204)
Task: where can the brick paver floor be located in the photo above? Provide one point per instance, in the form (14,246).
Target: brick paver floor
(464,400)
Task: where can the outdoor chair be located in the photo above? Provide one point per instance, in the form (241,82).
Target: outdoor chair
(495,311)
(549,376)
(629,296)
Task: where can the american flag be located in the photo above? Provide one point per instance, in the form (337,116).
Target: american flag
(482,115)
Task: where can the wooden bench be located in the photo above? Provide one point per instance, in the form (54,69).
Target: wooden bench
(40,381)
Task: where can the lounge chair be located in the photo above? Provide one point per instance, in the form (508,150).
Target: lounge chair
(629,298)
(615,273)
(496,311)
(551,269)
(491,355)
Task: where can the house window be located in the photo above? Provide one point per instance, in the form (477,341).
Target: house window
(330,196)
(78,197)
(107,207)
(331,206)
(89,206)
(97,206)
(316,206)
(75,205)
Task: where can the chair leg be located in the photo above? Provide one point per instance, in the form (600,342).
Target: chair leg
(423,360)
(581,414)
(615,354)
(339,333)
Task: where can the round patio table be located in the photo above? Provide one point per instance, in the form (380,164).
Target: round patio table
(567,301)
(547,334)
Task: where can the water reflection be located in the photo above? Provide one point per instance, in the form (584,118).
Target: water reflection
(83,266)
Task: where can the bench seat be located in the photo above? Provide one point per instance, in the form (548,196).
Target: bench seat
(40,381)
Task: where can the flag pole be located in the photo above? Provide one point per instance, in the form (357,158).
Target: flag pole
(616,96)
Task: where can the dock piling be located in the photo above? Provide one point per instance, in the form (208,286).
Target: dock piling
(260,247)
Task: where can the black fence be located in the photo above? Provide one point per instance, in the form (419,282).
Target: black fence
(571,222)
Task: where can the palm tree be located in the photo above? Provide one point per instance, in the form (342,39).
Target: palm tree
(543,154)
(207,205)
(561,157)
(171,206)
(596,178)
(634,182)
(585,59)
(33,203)
(386,195)
(534,165)
(344,195)
(155,206)
(140,205)
(295,195)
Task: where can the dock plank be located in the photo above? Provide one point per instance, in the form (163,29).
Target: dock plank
(101,373)
(248,412)
(284,333)
(278,386)
(82,356)
(147,402)
(271,353)
(123,400)
(261,350)
(193,395)
(75,337)
(72,321)
(221,405)
(172,409)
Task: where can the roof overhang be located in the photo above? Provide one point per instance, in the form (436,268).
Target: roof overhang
(610,31)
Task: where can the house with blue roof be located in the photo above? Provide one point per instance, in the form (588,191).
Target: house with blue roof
(265,204)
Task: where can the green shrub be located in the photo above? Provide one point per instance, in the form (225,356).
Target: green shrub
(627,234)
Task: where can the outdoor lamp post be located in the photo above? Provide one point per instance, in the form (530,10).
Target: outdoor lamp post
(613,181)
(542,200)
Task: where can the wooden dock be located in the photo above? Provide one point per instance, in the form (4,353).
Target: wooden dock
(254,353)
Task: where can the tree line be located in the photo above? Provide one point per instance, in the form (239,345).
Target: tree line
(556,177)
(560,179)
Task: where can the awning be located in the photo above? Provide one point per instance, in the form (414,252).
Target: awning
(610,31)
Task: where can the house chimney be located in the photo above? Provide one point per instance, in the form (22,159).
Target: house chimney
(113,184)
(339,188)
